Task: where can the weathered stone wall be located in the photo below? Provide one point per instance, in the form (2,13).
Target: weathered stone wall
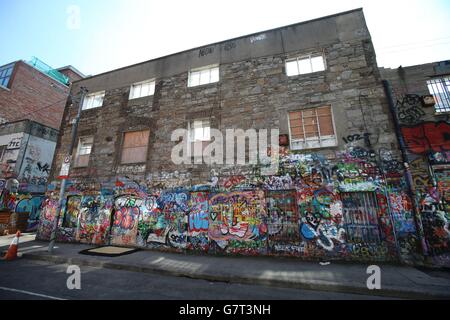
(251,94)
(426,135)
(343,202)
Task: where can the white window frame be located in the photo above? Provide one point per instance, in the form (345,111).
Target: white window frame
(138,86)
(89,101)
(303,58)
(203,70)
(80,148)
(192,130)
(311,143)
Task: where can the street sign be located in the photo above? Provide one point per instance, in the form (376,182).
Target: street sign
(64,173)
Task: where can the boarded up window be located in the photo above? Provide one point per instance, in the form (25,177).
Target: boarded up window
(135,145)
(312,128)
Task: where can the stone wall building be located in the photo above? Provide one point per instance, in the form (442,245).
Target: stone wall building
(425,129)
(339,172)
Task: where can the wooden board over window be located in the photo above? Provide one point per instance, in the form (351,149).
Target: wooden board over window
(135,145)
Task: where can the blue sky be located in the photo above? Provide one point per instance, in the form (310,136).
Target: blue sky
(116,33)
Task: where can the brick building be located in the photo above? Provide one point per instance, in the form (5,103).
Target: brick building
(32,100)
(32,90)
(425,128)
(340,167)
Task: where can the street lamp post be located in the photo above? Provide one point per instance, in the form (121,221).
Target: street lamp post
(64,180)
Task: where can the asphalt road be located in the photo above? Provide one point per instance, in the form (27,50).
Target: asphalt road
(35,280)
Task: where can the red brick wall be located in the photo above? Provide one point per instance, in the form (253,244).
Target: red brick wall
(72,75)
(33,95)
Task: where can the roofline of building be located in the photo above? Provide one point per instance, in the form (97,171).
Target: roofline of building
(223,41)
(10,63)
(70,67)
(25,63)
(412,65)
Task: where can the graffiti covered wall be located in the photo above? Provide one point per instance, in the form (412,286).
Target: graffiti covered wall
(427,139)
(36,164)
(351,207)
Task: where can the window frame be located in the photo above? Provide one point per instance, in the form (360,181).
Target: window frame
(7,67)
(121,161)
(77,164)
(93,95)
(432,85)
(199,70)
(151,82)
(305,57)
(305,141)
(193,145)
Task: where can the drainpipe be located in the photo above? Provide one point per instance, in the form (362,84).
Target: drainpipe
(409,181)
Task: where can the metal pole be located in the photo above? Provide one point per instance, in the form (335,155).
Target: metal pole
(64,181)
(409,181)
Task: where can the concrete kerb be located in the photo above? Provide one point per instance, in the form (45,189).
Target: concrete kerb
(402,293)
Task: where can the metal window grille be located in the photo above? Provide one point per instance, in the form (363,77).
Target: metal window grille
(360,217)
(440,89)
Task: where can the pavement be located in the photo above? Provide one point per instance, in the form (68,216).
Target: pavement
(397,281)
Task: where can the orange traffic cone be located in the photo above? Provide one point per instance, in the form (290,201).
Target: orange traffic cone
(12,251)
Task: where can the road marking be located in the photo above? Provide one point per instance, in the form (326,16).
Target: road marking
(31,293)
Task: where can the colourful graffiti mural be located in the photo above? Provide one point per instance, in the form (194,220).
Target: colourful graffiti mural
(198,222)
(238,222)
(94,219)
(315,208)
(427,136)
(31,205)
(125,223)
(283,223)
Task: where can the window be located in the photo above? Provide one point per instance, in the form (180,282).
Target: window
(135,145)
(203,76)
(84,151)
(199,130)
(440,89)
(303,65)
(93,100)
(5,74)
(142,89)
(312,128)
(360,212)
(199,137)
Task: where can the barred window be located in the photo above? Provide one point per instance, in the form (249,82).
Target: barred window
(440,89)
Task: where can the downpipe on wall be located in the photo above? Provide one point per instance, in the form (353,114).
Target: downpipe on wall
(64,181)
(409,181)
